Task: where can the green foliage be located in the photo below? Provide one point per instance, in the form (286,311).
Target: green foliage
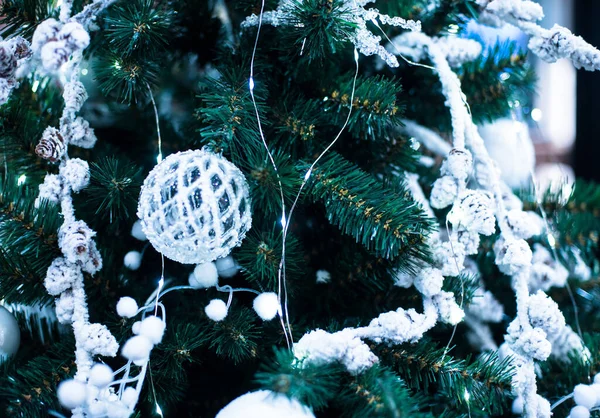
(312,385)
(486,379)
(260,256)
(236,337)
(384,220)
(21,17)
(463,287)
(134,49)
(28,242)
(375,108)
(318,27)
(138,28)
(113,191)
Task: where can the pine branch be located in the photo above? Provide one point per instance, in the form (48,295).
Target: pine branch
(260,255)
(21,17)
(375,108)
(424,367)
(384,220)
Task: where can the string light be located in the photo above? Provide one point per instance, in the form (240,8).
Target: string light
(21,180)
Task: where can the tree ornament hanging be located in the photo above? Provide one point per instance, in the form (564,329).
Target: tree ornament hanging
(265,404)
(195,207)
(10,335)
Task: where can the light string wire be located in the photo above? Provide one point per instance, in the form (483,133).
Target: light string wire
(286,221)
(286,331)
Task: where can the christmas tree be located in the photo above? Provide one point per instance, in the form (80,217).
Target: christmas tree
(261,208)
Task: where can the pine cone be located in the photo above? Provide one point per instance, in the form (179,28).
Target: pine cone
(75,241)
(8,61)
(52,146)
(22,48)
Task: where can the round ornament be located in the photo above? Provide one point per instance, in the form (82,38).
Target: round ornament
(10,335)
(195,207)
(265,404)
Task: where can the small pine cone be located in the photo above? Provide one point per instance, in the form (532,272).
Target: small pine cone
(93,263)
(459,164)
(6,87)
(45,32)
(52,146)
(76,174)
(97,340)
(8,61)
(474,211)
(79,133)
(74,95)
(444,192)
(75,36)
(21,47)
(50,189)
(54,55)
(74,240)
(65,306)
(60,276)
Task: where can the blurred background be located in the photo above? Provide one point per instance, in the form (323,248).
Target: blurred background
(561,118)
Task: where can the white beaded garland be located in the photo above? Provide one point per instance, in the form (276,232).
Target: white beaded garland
(195,207)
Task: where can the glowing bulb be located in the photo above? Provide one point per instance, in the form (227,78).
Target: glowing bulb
(159,411)
(504,76)
(307,175)
(551,240)
(21,180)
(35,86)
(283,221)
(536,114)
(84,71)
(117,65)
(467,395)
(159,157)
(453,28)
(251,83)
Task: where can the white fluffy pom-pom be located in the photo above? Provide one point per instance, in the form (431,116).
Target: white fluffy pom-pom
(71,393)
(579,412)
(216,310)
(137,232)
(323,276)
(135,328)
(226,267)
(76,172)
(266,305)
(265,404)
(137,348)
(584,395)
(597,378)
(153,328)
(127,307)
(130,396)
(133,260)
(517,406)
(204,276)
(101,375)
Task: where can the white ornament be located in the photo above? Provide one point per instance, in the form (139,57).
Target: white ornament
(448,309)
(127,307)
(71,393)
(524,225)
(195,207)
(585,396)
(76,173)
(74,94)
(153,328)
(100,375)
(266,305)
(579,412)
(510,146)
(227,267)
(459,164)
(474,211)
(10,335)
(265,404)
(216,310)
(135,328)
(403,279)
(517,406)
(65,306)
(97,339)
(512,256)
(544,313)
(137,231)
(50,189)
(79,133)
(133,260)
(204,276)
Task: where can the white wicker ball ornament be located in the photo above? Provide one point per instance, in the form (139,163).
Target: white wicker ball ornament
(195,207)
